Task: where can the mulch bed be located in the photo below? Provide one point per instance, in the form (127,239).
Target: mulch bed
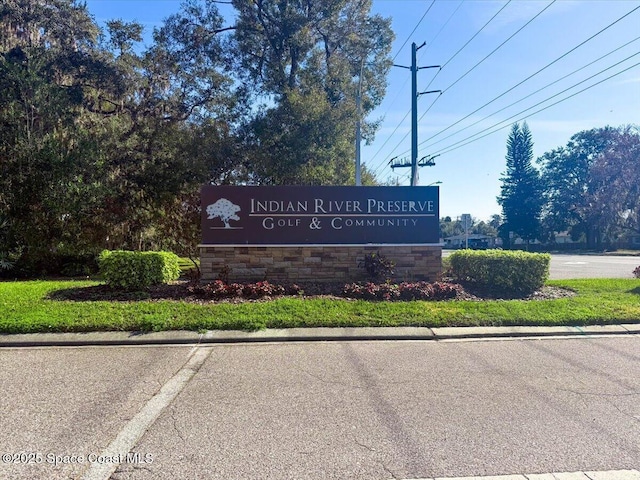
(178,291)
(473,293)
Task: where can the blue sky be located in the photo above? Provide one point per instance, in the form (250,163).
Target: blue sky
(470,174)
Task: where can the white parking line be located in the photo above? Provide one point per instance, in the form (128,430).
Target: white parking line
(138,425)
(604,475)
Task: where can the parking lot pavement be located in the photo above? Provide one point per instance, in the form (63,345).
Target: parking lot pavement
(333,410)
(382,410)
(65,405)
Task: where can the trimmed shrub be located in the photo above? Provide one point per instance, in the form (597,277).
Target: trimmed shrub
(446,267)
(513,272)
(135,270)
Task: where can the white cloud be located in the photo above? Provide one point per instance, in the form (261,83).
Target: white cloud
(627,81)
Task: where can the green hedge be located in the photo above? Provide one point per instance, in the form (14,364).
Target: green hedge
(134,270)
(514,272)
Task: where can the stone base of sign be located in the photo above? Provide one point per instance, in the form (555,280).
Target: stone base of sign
(290,264)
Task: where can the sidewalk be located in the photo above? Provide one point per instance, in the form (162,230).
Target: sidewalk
(308,335)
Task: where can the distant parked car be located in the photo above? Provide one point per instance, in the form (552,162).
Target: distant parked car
(474,240)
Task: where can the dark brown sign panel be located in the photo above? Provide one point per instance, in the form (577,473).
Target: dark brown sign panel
(319,215)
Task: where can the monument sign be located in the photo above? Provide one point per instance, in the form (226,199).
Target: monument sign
(314,215)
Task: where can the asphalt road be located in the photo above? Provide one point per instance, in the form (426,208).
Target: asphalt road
(348,410)
(592,266)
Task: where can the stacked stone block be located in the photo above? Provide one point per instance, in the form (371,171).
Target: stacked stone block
(287,264)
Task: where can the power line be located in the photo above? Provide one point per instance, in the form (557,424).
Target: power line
(386,165)
(383,164)
(440,69)
(456,54)
(481,61)
(459,144)
(533,93)
(534,74)
(400,90)
(399,50)
(414,29)
(375,172)
(518,84)
(499,46)
(442,28)
(476,34)
(467,43)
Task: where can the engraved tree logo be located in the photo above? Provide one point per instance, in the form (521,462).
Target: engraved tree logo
(225,210)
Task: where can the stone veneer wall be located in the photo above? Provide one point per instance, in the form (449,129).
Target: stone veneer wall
(326,263)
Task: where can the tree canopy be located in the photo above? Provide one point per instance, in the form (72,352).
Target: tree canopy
(589,188)
(591,184)
(105,142)
(306,61)
(616,172)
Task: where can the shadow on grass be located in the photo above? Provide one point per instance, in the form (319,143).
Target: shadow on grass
(477,292)
(489,293)
(104,293)
(635,290)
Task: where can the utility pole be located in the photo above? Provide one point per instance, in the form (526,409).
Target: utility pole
(358,138)
(358,128)
(414,111)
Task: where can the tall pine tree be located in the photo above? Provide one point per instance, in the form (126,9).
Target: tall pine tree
(521,190)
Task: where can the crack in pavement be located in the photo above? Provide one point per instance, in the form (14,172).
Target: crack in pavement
(367,447)
(134,430)
(388,470)
(174,420)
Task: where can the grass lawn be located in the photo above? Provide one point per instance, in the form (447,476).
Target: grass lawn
(25,308)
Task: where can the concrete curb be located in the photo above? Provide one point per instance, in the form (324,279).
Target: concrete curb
(307,335)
